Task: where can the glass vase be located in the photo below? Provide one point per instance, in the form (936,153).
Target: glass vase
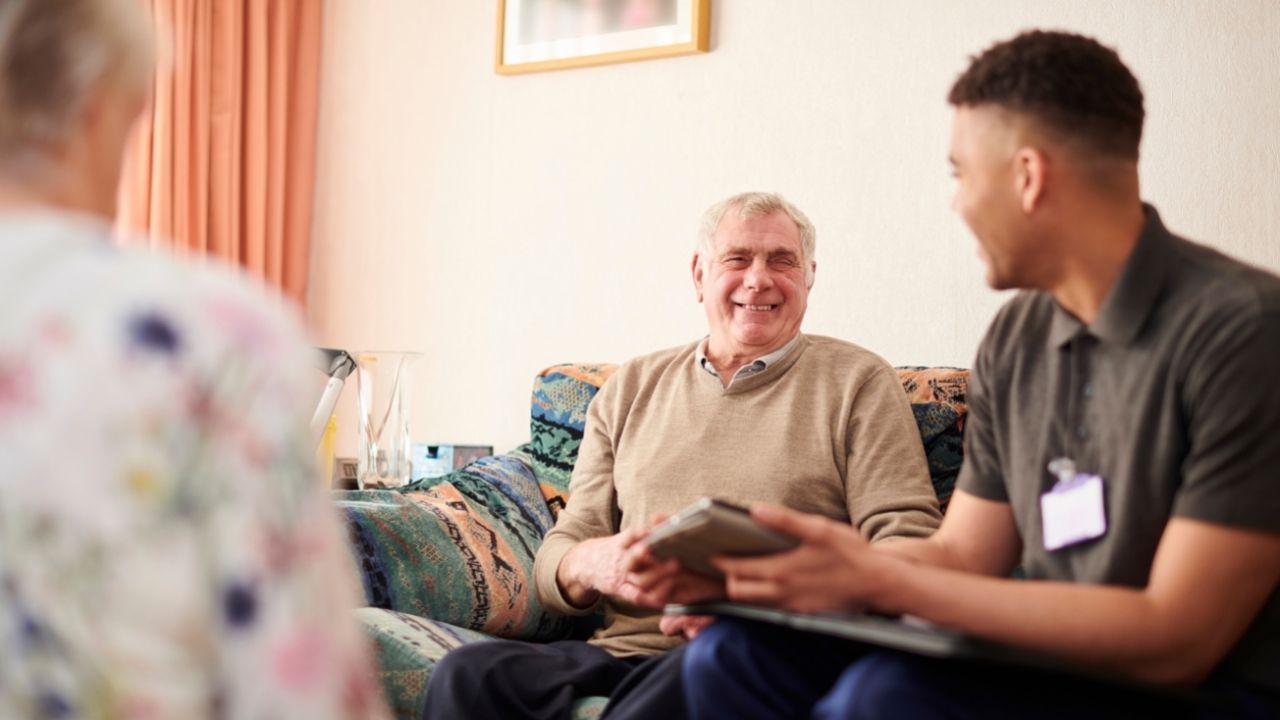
(385,448)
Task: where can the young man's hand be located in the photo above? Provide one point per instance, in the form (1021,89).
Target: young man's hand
(687,625)
(833,568)
(665,580)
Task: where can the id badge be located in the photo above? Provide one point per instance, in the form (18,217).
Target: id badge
(1073,509)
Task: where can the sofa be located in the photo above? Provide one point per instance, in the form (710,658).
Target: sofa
(449,561)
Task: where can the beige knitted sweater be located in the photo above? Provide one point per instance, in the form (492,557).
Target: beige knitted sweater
(825,429)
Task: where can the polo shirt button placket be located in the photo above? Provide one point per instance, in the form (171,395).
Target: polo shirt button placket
(1086,392)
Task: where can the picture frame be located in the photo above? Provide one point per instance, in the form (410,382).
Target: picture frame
(541,35)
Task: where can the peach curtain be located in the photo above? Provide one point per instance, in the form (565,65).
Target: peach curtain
(223,164)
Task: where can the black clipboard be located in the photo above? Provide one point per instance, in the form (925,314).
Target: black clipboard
(918,637)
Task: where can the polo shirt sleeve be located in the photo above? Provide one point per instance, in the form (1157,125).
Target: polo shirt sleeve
(980,473)
(1232,404)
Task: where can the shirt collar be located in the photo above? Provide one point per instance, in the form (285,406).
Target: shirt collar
(1133,296)
(754,367)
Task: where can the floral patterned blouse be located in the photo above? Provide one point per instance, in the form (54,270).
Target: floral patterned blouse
(166,549)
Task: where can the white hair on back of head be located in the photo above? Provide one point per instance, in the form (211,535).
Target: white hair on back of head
(54,54)
(757,204)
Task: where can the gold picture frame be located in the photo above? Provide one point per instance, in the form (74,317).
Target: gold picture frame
(541,35)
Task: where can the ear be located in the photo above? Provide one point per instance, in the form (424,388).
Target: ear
(813,274)
(697,275)
(1030,174)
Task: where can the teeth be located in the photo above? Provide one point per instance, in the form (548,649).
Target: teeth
(757,307)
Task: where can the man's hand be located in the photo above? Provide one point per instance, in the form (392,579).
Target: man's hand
(687,625)
(622,566)
(665,580)
(595,567)
(833,568)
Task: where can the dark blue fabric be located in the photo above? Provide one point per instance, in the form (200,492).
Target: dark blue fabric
(652,691)
(513,679)
(752,670)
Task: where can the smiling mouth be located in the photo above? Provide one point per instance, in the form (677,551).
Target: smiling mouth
(756,308)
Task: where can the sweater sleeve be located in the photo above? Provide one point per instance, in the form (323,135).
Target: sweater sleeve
(887,483)
(591,510)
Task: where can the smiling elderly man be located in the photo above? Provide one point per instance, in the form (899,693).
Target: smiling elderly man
(755,411)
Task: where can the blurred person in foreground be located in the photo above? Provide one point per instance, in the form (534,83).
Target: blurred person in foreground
(165,549)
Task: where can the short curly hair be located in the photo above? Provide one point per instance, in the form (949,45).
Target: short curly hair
(1074,85)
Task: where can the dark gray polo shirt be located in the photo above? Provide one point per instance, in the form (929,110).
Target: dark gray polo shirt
(1172,395)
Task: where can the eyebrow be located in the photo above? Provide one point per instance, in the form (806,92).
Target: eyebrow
(744,251)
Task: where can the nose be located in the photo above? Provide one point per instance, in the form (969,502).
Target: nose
(757,278)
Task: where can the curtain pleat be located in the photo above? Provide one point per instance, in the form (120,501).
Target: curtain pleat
(223,165)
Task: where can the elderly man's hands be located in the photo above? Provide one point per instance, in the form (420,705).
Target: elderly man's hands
(621,566)
(833,568)
(594,567)
(665,580)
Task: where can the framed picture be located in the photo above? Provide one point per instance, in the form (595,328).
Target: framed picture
(536,35)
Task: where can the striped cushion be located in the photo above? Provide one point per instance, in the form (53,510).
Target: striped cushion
(459,551)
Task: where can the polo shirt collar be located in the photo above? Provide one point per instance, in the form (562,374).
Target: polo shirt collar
(1133,296)
(757,366)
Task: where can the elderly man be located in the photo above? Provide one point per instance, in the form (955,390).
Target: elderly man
(1119,444)
(755,411)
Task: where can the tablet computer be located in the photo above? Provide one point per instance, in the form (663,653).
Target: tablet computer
(713,527)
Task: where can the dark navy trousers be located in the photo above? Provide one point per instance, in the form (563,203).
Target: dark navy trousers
(509,679)
(746,670)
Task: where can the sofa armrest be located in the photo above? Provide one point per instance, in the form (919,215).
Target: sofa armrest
(458,549)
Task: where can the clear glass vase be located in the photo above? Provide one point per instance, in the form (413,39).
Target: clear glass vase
(384,455)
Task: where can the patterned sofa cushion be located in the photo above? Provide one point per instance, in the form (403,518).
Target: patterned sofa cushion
(937,396)
(561,394)
(408,648)
(459,550)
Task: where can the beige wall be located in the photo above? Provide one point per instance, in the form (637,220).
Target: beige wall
(501,224)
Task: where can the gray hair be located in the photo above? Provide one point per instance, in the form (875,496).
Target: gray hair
(54,54)
(756,204)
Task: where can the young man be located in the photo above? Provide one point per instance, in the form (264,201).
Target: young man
(1118,445)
